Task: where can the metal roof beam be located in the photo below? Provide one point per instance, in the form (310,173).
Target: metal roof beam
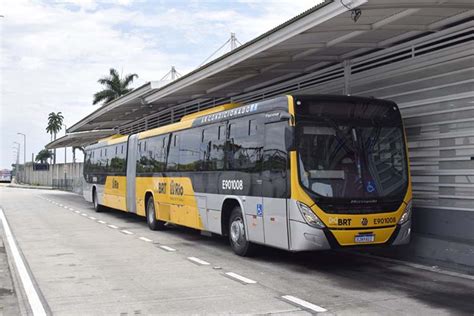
(353,34)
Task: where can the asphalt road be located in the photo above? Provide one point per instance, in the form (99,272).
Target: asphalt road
(83,262)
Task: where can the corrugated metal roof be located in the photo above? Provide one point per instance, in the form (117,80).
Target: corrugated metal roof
(317,39)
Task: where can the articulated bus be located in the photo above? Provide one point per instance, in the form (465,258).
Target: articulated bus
(296,172)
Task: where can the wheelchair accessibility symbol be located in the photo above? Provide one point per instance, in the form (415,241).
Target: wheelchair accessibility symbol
(370,187)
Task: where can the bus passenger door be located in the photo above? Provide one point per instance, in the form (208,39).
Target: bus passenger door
(275,185)
(131,173)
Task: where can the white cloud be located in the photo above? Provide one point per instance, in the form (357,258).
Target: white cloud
(53,53)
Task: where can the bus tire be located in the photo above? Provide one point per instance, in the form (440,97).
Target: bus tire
(97,207)
(153,223)
(237,235)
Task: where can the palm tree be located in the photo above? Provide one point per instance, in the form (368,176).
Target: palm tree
(55,124)
(114,86)
(44,155)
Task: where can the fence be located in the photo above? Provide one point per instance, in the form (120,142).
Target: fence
(60,176)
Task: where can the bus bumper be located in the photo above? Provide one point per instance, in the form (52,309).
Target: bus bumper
(403,236)
(304,237)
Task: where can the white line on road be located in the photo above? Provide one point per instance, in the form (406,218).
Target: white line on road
(145,239)
(65,207)
(126,232)
(198,261)
(71,209)
(60,205)
(240,278)
(102,222)
(84,214)
(33,297)
(167,248)
(76,212)
(92,218)
(112,226)
(303,303)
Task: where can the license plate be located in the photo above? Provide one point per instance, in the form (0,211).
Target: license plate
(364,238)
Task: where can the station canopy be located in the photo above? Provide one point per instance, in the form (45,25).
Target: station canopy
(332,33)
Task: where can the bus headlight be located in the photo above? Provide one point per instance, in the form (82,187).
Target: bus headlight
(309,216)
(406,214)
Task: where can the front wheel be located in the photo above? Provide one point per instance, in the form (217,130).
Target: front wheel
(95,200)
(237,236)
(153,223)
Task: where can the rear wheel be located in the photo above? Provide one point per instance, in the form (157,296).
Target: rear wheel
(237,235)
(153,223)
(95,200)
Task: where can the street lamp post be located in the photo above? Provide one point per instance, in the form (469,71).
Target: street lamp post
(17,161)
(24,147)
(65,155)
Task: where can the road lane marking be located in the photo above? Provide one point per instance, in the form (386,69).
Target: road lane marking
(102,222)
(145,239)
(240,278)
(126,232)
(60,205)
(198,261)
(71,209)
(112,226)
(76,212)
(305,304)
(65,207)
(84,214)
(92,218)
(33,298)
(167,248)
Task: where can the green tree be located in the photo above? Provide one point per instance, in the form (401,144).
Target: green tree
(115,86)
(55,124)
(44,155)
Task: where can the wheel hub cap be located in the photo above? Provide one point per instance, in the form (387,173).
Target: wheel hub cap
(237,232)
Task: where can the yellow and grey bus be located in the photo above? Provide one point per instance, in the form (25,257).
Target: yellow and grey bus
(297,172)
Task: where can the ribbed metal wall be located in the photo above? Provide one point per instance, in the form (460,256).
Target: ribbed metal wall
(435,93)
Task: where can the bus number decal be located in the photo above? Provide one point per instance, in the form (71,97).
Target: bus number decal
(232,184)
(385,220)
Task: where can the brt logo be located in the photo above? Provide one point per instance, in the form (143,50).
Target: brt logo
(340,221)
(176,188)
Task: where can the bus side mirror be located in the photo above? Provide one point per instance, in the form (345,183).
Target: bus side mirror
(290,138)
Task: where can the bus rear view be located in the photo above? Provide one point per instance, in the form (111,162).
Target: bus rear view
(349,174)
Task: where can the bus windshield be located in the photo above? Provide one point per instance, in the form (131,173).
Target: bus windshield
(361,156)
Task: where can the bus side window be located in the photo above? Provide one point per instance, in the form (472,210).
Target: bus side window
(189,150)
(212,148)
(173,153)
(244,150)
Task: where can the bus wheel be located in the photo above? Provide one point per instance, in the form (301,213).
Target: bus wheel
(97,206)
(237,236)
(153,223)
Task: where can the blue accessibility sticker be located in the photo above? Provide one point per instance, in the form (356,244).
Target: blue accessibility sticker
(259,210)
(370,186)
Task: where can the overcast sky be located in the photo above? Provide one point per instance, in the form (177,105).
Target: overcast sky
(53,52)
